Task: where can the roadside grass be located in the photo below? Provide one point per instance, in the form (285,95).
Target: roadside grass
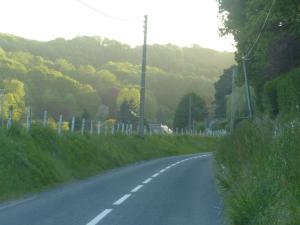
(259,175)
(36,160)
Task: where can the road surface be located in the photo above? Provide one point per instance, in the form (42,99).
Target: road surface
(177,190)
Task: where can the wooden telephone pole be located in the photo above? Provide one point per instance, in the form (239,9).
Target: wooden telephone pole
(143,79)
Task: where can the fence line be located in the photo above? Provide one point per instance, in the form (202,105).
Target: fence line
(92,127)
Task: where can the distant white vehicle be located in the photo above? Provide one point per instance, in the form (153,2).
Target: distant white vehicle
(160,129)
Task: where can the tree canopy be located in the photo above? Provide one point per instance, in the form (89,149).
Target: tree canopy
(190,105)
(267,32)
(88,74)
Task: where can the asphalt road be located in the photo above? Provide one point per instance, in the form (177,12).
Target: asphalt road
(170,191)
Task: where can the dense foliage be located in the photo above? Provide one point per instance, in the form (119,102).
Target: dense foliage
(275,49)
(223,87)
(282,96)
(231,98)
(258,171)
(258,162)
(191,106)
(93,76)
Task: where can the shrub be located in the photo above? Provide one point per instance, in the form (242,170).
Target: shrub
(259,174)
(282,96)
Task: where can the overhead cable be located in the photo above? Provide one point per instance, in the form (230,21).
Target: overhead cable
(106,14)
(250,49)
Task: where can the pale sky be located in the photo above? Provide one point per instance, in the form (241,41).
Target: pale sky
(180,22)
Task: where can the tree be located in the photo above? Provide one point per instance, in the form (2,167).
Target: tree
(67,76)
(241,109)
(64,66)
(103,112)
(14,97)
(199,111)
(126,114)
(223,87)
(132,96)
(277,49)
(86,70)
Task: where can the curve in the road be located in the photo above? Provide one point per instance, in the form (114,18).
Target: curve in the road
(167,191)
(105,212)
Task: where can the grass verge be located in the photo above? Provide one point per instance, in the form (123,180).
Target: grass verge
(258,172)
(36,160)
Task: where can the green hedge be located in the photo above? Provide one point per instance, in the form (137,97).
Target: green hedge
(282,96)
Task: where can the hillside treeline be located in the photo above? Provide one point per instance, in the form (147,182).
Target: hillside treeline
(93,77)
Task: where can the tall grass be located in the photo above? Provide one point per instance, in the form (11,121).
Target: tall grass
(259,174)
(35,160)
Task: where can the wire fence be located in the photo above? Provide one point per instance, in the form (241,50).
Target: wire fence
(96,127)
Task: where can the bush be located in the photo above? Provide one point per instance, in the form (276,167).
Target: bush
(259,175)
(282,96)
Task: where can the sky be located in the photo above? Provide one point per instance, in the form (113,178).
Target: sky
(180,22)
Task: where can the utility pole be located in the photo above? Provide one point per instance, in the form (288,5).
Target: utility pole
(233,100)
(73,124)
(143,78)
(190,113)
(28,118)
(45,119)
(10,117)
(82,126)
(59,126)
(2,95)
(247,88)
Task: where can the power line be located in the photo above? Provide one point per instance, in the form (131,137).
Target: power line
(105,14)
(250,49)
(246,56)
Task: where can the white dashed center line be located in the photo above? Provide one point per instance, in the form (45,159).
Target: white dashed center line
(105,212)
(98,218)
(136,188)
(121,200)
(155,175)
(147,181)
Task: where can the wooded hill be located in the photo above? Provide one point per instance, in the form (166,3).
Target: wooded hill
(93,76)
